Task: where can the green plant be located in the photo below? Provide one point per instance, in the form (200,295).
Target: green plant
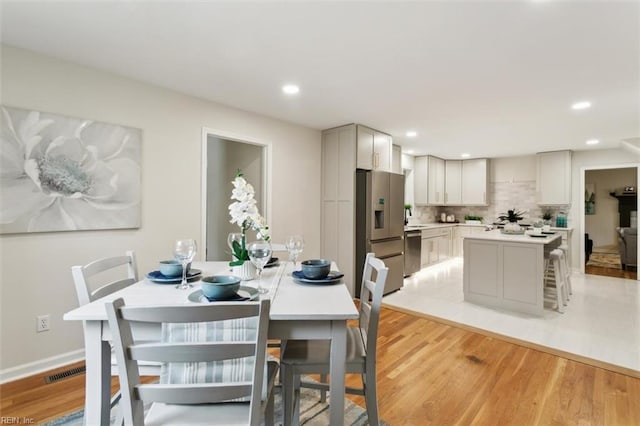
(547,215)
(512,215)
(472,217)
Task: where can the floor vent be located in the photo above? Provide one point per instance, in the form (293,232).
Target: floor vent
(64,374)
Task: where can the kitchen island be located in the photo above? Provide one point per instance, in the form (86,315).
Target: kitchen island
(506,271)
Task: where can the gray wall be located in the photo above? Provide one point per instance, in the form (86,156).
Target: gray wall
(35,275)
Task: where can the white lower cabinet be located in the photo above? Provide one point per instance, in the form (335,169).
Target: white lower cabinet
(436,246)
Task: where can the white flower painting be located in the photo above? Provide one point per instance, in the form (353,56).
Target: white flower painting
(60,173)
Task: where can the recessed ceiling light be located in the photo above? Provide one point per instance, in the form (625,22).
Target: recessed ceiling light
(581,105)
(465,155)
(290,89)
(592,142)
(412,134)
(410,151)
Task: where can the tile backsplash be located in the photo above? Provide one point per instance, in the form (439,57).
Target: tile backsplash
(502,197)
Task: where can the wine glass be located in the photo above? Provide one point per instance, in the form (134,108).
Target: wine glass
(184,252)
(259,254)
(294,246)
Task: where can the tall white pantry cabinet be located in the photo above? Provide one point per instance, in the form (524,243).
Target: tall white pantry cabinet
(338,199)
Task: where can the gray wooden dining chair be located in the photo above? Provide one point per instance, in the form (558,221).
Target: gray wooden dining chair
(100,278)
(312,356)
(230,400)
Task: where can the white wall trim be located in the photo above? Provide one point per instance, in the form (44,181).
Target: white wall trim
(266,173)
(32,368)
(583,171)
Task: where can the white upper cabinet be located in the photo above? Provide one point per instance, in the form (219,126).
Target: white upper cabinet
(396,159)
(436,181)
(453,182)
(428,180)
(553,178)
(474,182)
(373,149)
(420,178)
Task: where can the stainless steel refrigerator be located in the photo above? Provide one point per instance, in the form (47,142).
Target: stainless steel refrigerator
(380,224)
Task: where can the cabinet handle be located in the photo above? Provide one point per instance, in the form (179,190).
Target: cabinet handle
(446,196)
(376,160)
(484,197)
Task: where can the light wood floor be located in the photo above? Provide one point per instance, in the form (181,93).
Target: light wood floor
(611,272)
(434,374)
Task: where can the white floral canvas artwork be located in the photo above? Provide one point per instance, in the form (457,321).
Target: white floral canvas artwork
(60,173)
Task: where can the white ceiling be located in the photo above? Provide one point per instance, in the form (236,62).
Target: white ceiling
(487,78)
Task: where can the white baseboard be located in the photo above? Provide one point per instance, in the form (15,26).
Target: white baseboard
(31,368)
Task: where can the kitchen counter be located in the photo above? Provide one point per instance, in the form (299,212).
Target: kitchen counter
(439,225)
(497,235)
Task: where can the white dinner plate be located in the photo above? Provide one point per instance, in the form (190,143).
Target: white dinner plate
(332,278)
(157,277)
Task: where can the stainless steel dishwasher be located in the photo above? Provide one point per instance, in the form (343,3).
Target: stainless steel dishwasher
(412,248)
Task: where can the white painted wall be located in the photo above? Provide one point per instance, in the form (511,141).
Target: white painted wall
(602,225)
(35,275)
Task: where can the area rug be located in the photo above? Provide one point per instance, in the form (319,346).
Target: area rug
(605,260)
(312,412)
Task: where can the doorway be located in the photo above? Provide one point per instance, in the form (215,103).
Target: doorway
(610,204)
(223,156)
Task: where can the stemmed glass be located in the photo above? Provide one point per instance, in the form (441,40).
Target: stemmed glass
(184,252)
(259,254)
(294,246)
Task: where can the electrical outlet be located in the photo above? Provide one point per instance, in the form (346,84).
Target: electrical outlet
(42,323)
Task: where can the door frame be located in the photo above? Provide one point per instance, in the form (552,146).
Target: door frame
(583,171)
(267,149)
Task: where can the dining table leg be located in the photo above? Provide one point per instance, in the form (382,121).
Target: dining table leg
(98,376)
(337,369)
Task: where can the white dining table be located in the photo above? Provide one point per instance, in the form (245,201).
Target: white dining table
(298,311)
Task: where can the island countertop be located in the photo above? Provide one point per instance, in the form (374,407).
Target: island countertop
(497,235)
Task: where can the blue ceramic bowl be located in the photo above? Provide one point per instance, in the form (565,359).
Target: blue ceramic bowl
(220,286)
(316,269)
(170,268)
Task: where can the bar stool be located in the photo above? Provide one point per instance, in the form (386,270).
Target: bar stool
(567,268)
(554,278)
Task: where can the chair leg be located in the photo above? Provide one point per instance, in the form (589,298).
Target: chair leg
(559,289)
(371,397)
(288,393)
(119,420)
(323,393)
(296,400)
(269,412)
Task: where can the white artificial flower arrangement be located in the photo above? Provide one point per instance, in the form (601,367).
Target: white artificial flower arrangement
(244,213)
